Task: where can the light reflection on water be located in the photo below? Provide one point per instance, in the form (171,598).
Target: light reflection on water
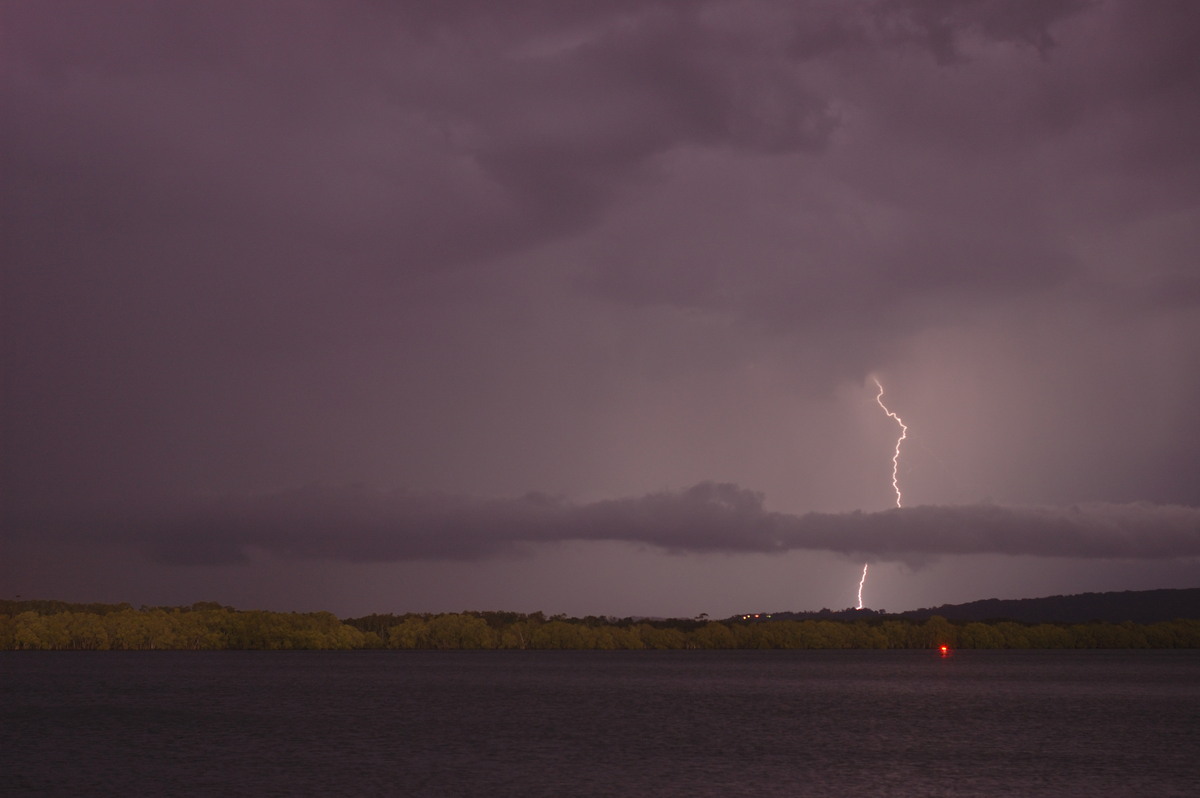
(771,723)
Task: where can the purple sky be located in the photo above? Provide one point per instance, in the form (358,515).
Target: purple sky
(373,306)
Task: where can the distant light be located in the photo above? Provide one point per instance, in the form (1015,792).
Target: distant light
(945,651)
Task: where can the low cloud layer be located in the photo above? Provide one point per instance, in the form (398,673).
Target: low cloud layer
(361,525)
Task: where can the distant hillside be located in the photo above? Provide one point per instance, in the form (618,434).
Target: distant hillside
(1139,606)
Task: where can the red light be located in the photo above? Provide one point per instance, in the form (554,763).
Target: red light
(945,649)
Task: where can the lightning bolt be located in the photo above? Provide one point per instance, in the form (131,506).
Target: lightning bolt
(862,582)
(900,440)
(895,473)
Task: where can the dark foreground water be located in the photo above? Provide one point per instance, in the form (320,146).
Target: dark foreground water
(513,723)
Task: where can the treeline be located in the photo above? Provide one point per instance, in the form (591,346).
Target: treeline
(201,627)
(210,626)
(485,630)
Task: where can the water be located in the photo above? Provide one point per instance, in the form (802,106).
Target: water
(671,723)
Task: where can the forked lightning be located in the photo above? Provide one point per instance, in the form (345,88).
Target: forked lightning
(900,440)
(895,473)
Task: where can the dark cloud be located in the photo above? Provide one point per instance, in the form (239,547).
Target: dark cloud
(940,24)
(363,525)
(383,124)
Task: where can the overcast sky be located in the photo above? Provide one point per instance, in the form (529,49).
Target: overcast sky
(578,307)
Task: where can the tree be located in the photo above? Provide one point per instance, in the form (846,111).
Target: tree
(937,631)
(654,637)
(412,632)
(458,631)
(713,635)
(980,635)
(559,634)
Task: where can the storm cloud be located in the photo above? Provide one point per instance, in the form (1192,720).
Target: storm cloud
(474,249)
(362,525)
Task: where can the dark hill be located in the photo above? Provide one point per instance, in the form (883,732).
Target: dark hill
(1139,606)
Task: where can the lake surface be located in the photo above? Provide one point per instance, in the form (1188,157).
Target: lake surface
(669,723)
